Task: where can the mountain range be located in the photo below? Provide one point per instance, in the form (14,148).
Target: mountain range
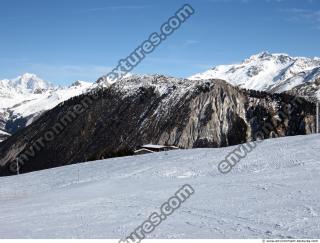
(152,109)
(273,73)
(24,99)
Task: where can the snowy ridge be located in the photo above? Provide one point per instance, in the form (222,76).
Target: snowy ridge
(27,96)
(49,99)
(267,195)
(308,90)
(30,87)
(26,83)
(267,72)
(106,81)
(29,82)
(162,84)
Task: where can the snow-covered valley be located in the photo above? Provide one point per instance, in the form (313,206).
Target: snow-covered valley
(272,193)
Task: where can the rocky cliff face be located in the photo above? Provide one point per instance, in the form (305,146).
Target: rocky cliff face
(152,109)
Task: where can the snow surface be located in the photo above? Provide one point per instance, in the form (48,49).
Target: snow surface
(3,134)
(266,71)
(272,193)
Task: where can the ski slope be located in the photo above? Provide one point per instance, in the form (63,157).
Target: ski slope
(272,193)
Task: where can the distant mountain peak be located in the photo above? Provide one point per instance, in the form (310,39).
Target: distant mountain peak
(105,80)
(266,71)
(267,56)
(79,83)
(261,55)
(29,83)
(28,76)
(26,97)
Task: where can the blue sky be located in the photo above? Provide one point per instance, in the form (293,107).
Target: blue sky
(65,40)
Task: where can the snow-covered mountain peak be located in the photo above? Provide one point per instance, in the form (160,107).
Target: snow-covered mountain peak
(29,83)
(259,56)
(265,71)
(106,81)
(24,98)
(79,83)
(274,58)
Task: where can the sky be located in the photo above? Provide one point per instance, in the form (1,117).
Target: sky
(66,40)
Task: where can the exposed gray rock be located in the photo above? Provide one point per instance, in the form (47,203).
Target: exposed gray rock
(159,110)
(308,90)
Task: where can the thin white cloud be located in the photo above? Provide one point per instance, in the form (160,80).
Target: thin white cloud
(178,61)
(303,15)
(116,8)
(187,43)
(13,59)
(69,73)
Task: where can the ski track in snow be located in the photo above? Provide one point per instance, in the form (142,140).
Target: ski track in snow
(272,193)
